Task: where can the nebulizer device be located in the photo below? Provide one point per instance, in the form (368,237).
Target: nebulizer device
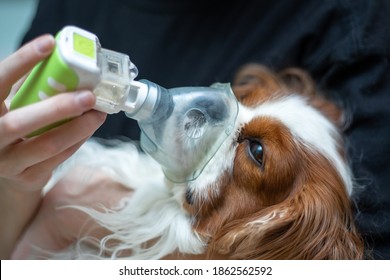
(182,128)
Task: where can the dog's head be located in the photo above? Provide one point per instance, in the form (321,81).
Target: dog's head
(283,184)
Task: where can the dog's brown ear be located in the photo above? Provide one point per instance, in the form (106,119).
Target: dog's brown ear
(298,81)
(281,234)
(253,83)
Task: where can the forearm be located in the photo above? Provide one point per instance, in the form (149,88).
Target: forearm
(17,207)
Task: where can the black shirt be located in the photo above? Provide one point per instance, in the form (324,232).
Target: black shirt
(344,44)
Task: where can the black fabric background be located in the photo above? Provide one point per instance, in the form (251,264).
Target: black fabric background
(344,44)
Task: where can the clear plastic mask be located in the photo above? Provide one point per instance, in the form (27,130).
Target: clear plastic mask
(186,127)
(181,128)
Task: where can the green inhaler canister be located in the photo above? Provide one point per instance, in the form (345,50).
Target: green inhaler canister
(79,62)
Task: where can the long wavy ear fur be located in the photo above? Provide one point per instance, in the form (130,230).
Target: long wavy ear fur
(315,222)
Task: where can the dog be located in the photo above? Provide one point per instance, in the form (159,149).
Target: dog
(279,186)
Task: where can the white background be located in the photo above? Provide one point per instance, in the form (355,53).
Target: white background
(110,270)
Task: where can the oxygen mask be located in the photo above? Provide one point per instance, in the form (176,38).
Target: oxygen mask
(182,128)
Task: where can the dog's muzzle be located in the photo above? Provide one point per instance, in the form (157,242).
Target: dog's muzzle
(188,127)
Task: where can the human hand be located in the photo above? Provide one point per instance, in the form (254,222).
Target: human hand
(27,164)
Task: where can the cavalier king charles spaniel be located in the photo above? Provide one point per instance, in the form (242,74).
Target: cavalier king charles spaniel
(278,188)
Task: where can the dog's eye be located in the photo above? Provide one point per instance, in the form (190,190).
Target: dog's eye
(256,151)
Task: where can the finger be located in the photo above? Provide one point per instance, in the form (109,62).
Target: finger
(14,89)
(64,137)
(19,157)
(35,177)
(23,60)
(3,109)
(22,121)
(6,104)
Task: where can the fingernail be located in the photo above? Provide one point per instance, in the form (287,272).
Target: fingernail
(45,44)
(85,99)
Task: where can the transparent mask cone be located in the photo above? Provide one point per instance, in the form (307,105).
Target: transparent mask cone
(188,127)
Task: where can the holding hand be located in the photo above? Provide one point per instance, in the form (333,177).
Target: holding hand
(27,164)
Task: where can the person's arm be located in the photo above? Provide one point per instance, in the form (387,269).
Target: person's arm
(56,227)
(26,164)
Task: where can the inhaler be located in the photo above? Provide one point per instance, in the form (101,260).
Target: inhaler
(181,128)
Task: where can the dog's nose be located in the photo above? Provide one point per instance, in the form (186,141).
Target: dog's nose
(194,123)
(204,111)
